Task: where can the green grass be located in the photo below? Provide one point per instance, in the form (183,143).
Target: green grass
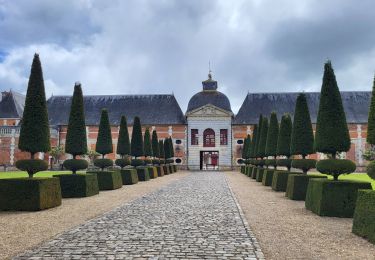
(19,174)
(353,177)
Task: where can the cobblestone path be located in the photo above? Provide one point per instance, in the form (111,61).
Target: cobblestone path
(196,217)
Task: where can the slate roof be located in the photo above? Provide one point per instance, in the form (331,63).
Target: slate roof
(12,105)
(356,106)
(203,98)
(151,109)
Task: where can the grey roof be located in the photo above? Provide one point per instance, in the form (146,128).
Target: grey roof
(356,106)
(12,105)
(151,109)
(214,97)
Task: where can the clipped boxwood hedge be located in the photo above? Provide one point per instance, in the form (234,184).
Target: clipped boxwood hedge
(304,164)
(75,165)
(259,176)
(254,173)
(333,198)
(166,170)
(129,176)
(242,169)
(284,163)
(270,162)
(335,167)
(175,169)
(103,163)
(371,170)
(137,162)
(108,180)
(280,180)
(29,194)
(248,170)
(123,162)
(153,172)
(143,173)
(171,169)
(267,177)
(297,185)
(78,185)
(32,166)
(364,215)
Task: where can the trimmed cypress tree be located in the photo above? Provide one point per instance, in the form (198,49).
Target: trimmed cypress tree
(123,144)
(302,134)
(104,140)
(272,135)
(76,140)
(248,148)
(171,147)
(137,141)
(147,143)
(254,141)
(244,148)
(34,135)
(261,151)
(167,147)
(285,134)
(161,149)
(332,134)
(371,118)
(155,145)
(258,136)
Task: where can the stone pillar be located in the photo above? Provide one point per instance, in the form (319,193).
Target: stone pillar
(358,145)
(12,146)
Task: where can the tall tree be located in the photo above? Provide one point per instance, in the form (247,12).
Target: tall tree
(249,148)
(371,118)
(123,143)
(261,151)
(104,140)
(147,143)
(254,141)
(167,152)
(332,134)
(155,145)
(137,141)
(244,147)
(161,149)
(34,135)
(258,135)
(302,134)
(171,147)
(285,134)
(272,135)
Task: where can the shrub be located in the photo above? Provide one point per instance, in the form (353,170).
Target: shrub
(304,164)
(147,161)
(297,185)
(259,176)
(333,198)
(162,161)
(280,180)
(335,167)
(29,194)
(155,145)
(270,162)
(160,170)
(75,165)
(247,161)
(272,135)
(122,162)
(261,151)
(169,160)
(254,173)
(284,163)
(78,185)
(123,143)
(143,174)
(254,142)
(137,162)
(32,166)
(104,139)
(136,146)
(147,147)
(155,161)
(364,215)
(283,140)
(108,180)
(371,170)
(103,163)
(129,176)
(267,177)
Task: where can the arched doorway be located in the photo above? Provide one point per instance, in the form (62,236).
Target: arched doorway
(209,160)
(209,138)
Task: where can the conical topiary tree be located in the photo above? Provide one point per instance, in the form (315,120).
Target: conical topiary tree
(137,142)
(155,145)
(272,135)
(244,148)
(261,151)
(161,149)
(171,147)
(147,143)
(167,152)
(332,134)
(256,155)
(254,141)
(302,142)
(76,140)
(248,148)
(123,144)
(371,132)
(104,141)
(283,141)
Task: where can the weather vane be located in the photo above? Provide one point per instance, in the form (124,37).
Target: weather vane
(209,70)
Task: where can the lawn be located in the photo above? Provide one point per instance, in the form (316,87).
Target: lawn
(354,177)
(19,174)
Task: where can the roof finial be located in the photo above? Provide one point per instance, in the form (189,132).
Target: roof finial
(209,70)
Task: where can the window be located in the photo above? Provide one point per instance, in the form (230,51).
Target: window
(178,141)
(239,141)
(223,136)
(178,160)
(194,136)
(209,138)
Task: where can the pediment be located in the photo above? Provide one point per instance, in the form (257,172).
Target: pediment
(209,111)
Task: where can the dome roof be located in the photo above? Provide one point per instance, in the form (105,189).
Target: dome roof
(209,95)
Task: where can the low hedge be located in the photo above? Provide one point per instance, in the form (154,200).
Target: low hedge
(155,161)
(29,194)
(270,162)
(152,171)
(123,162)
(103,163)
(259,176)
(364,215)
(284,163)
(137,162)
(129,176)
(248,170)
(335,167)
(168,161)
(147,161)
(32,166)
(333,198)
(166,170)
(175,169)
(108,180)
(267,177)
(171,169)
(78,185)
(297,185)
(160,171)
(75,165)
(304,164)
(242,169)
(371,170)
(280,180)
(254,173)
(143,173)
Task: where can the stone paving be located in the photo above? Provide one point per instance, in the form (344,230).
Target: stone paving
(196,217)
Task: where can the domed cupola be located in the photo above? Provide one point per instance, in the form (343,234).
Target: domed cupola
(209,95)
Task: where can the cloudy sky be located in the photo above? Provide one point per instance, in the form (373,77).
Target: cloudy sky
(164,46)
